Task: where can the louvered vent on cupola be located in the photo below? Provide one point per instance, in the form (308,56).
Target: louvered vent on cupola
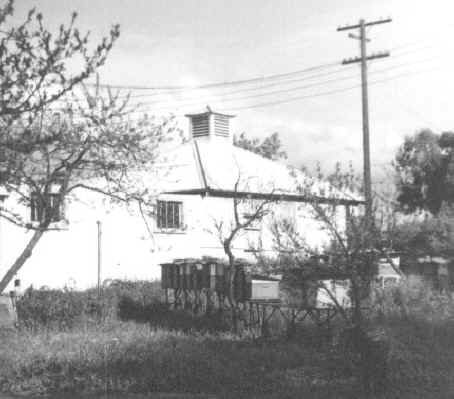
(209,124)
(200,125)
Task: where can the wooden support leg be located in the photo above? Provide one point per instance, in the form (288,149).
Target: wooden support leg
(177,299)
(209,303)
(264,328)
(220,302)
(291,329)
(198,302)
(187,303)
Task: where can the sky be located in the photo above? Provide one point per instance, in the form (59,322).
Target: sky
(196,42)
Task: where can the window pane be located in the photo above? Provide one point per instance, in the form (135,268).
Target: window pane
(159,215)
(177,215)
(164,215)
(169,214)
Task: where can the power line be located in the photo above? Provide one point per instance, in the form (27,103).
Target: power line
(217,84)
(169,90)
(268,93)
(294,98)
(273,84)
(179,103)
(186,102)
(325,93)
(287,81)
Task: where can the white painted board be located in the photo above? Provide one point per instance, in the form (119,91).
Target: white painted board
(262,289)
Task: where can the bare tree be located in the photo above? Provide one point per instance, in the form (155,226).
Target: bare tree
(228,232)
(353,249)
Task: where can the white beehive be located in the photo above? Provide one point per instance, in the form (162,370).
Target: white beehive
(265,290)
(338,288)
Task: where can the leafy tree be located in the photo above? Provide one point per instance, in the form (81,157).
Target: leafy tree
(430,235)
(270,147)
(425,171)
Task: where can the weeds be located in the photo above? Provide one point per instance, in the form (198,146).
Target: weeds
(65,309)
(128,341)
(139,358)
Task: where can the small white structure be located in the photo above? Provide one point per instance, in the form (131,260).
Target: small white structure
(338,289)
(388,272)
(265,289)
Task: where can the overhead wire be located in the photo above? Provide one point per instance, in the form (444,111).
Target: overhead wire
(217,84)
(276,80)
(326,92)
(266,82)
(287,81)
(321,94)
(171,110)
(224,98)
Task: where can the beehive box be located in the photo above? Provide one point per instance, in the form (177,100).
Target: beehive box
(264,290)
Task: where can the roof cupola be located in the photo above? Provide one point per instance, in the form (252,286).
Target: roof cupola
(210,125)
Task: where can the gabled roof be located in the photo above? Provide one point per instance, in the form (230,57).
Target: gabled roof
(218,168)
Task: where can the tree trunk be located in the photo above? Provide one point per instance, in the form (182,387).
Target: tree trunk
(357,316)
(231,288)
(22,258)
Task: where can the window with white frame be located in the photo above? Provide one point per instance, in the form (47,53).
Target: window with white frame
(169,215)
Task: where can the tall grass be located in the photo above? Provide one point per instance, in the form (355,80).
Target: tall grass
(412,299)
(128,341)
(65,309)
(131,357)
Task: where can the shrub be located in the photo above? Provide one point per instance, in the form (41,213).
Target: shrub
(64,309)
(412,299)
(131,309)
(60,309)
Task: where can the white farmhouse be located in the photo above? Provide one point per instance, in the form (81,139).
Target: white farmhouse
(195,185)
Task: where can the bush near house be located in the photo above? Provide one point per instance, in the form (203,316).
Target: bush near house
(138,301)
(51,309)
(68,308)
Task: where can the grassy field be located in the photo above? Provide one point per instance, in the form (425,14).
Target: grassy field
(103,354)
(132,357)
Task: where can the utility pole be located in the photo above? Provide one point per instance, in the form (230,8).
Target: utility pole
(99,257)
(362,59)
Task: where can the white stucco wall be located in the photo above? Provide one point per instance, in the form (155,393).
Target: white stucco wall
(69,257)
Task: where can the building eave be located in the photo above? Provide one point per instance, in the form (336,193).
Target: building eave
(274,197)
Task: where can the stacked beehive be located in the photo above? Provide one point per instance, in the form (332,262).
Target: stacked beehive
(205,274)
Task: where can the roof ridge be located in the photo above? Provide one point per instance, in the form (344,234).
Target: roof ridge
(199,165)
